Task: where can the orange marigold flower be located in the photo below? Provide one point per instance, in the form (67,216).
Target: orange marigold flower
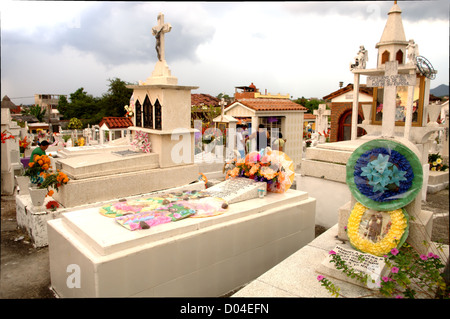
(40,162)
(254,169)
(66,179)
(31,164)
(50,192)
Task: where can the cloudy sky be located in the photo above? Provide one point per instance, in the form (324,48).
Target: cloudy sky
(296,48)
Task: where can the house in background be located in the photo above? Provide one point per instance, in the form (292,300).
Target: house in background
(340,103)
(275,112)
(49,103)
(114,128)
(202,105)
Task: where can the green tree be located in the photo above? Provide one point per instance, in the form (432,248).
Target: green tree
(63,105)
(36,111)
(75,124)
(118,95)
(311,105)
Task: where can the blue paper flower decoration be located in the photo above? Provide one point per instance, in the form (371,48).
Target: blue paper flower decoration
(382,174)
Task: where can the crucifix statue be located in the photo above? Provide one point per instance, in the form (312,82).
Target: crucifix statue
(158,31)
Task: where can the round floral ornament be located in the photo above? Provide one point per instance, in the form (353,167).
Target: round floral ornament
(376,232)
(384,175)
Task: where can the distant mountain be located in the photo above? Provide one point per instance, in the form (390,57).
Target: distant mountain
(441,90)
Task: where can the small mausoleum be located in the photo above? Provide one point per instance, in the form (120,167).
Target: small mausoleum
(340,103)
(112,128)
(275,112)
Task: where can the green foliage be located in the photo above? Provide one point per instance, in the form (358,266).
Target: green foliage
(311,105)
(75,124)
(411,275)
(36,111)
(90,109)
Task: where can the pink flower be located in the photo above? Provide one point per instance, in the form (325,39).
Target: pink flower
(394,251)
(423,257)
(431,255)
(385,279)
(320,278)
(332,252)
(394,270)
(398,297)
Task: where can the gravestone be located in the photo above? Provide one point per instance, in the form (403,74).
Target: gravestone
(237,189)
(364,264)
(322,121)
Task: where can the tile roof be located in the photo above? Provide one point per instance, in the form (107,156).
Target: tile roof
(362,89)
(271,104)
(116,122)
(204,99)
(309,116)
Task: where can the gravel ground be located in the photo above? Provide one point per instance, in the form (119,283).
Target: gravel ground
(25,270)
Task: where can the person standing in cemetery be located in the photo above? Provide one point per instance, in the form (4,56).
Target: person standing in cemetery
(278,144)
(240,141)
(40,150)
(262,136)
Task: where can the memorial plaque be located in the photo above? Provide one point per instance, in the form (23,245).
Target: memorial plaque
(391,80)
(237,189)
(373,266)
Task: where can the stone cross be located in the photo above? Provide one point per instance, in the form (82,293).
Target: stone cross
(158,31)
(322,118)
(390,81)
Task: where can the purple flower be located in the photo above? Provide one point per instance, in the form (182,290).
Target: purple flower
(423,257)
(394,270)
(394,251)
(332,252)
(320,278)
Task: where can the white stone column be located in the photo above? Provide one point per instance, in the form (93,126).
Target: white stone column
(409,108)
(355,107)
(389,97)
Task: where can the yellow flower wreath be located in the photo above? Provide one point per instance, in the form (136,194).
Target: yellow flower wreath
(391,240)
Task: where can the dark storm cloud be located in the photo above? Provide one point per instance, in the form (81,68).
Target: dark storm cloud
(115,33)
(412,11)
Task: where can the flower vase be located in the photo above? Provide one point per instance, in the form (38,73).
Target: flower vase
(23,183)
(37,195)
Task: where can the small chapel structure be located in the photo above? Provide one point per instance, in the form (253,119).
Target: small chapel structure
(340,103)
(275,111)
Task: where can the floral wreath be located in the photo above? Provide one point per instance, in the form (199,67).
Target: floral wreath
(384,175)
(396,236)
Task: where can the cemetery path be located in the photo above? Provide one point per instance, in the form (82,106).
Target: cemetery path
(25,269)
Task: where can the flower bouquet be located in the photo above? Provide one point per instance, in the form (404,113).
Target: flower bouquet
(273,167)
(129,110)
(6,136)
(41,178)
(436,164)
(23,144)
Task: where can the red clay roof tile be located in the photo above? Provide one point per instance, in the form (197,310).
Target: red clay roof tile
(116,122)
(259,104)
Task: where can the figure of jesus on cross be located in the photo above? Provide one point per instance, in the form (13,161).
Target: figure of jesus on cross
(158,31)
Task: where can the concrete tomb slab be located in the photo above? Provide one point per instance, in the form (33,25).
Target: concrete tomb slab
(191,257)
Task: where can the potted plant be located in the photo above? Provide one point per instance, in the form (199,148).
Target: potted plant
(41,180)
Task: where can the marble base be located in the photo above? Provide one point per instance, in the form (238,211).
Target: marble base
(93,256)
